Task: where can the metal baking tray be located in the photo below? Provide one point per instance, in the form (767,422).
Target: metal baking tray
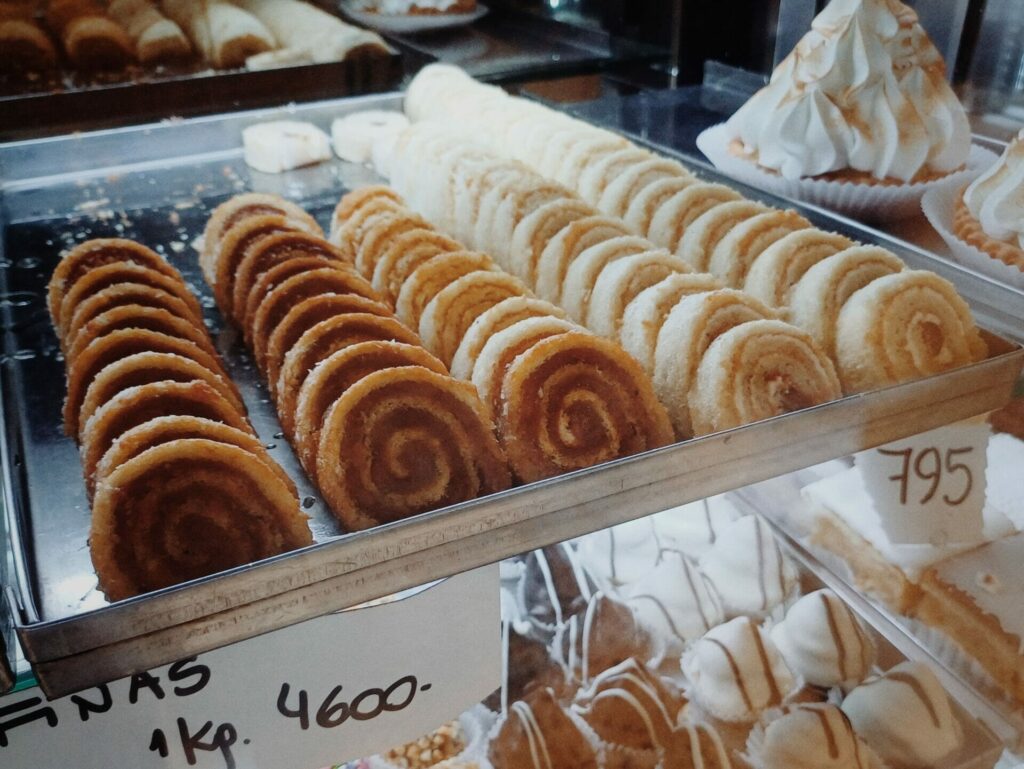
(157,183)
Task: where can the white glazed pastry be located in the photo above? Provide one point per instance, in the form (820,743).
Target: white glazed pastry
(996,198)
(693,528)
(748,568)
(675,603)
(823,641)
(735,671)
(620,554)
(282,145)
(809,736)
(354,136)
(906,716)
(864,90)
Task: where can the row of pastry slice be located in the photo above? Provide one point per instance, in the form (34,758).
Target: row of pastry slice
(726,360)
(563,398)
(180,485)
(881,323)
(378,423)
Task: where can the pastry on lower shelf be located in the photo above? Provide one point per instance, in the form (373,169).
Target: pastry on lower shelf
(404,441)
(603,636)
(223,33)
(809,736)
(24,44)
(429,750)
(186,509)
(284,145)
(157,39)
(537,733)
(554,586)
(91,39)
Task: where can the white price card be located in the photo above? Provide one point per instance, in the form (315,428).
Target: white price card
(322,692)
(930,488)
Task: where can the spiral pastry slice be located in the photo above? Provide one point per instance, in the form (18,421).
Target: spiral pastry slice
(574,400)
(123,295)
(673,217)
(84,258)
(116,273)
(707,230)
(758,370)
(499,317)
(273,250)
(533,232)
(276,304)
(120,344)
(404,441)
(404,255)
(431,277)
(598,174)
(690,328)
(582,272)
(642,207)
(306,314)
(517,205)
(618,194)
(783,263)
(320,341)
(162,430)
(186,509)
(237,209)
(146,368)
(135,405)
(348,234)
(736,251)
(563,249)
(137,316)
(354,201)
(619,283)
(817,298)
(274,277)
(645,314)
(335,374)
(448,316)
(904,326)
(381,236)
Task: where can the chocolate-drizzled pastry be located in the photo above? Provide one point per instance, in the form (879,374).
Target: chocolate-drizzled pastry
(809,736)
(526,666)
(537,733)
(554,587)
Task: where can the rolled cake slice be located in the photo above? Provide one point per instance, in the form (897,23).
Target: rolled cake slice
(534,231)
(91,39)
(404,255)
(780,266)
(382,237)
(642,207)
(565,246)
(736,251)
(186,509)
(404,441)
(582,271)
(272,278)
(621,281)
(24,45)
(430,277)
(758,370)
(671,220)
(705,232)
(617,195)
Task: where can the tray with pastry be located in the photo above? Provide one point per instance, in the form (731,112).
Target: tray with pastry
(247,380)
(69,64)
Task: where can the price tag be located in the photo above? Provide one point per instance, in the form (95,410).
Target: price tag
(325,691)
(930,488)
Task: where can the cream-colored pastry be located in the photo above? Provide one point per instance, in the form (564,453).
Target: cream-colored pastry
(864,90)
(222,32)
(809,736)
(283,145)
(157,38)
(748,568)
(824,642)
(735,671)
(620,555)
(353,136)
(906,717)
(692,529)
(996,198)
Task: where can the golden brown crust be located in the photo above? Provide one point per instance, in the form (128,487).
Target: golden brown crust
(137,316)
(274,277)
(969,230)
(407,252)
(25,47)
(430,277)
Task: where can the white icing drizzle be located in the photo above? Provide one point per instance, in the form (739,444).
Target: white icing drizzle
(629,673)
(577,569)
(549,584)
(534,736)
(697,747)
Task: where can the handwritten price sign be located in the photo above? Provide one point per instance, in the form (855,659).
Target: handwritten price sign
(930,488)
(325,691)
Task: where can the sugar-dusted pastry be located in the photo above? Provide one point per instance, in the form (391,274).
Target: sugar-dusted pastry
(270,279)
(623,188)
(863,97)
(81,259)
(905,716)
(186,509)
(353,135)
(582,272)
(824,642)
(403,256)
(451,312)
(775,271)
(24,44)
(646,313)
(329,380)
(686,333)
(507,208)
(430,277)
(989,215)
(157,38)
(361,199)
(759,370)
(732,256)
(621,281)
(598,174)
(675,602)
(821,292)
(735,671)
(642,207)
(533,232)
(284,145)
(236,209)
(809,736)
(321,340)
(706,231)
(403,441)
(629,705)
(91,39)
(670,221)
(748,568)
(117,345)
(574,400)
(222,32)
(537,733)
(904,326)
(603,636)
(554,586)
(565,246)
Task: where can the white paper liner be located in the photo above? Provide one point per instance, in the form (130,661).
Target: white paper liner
(866,202)
(938,205)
